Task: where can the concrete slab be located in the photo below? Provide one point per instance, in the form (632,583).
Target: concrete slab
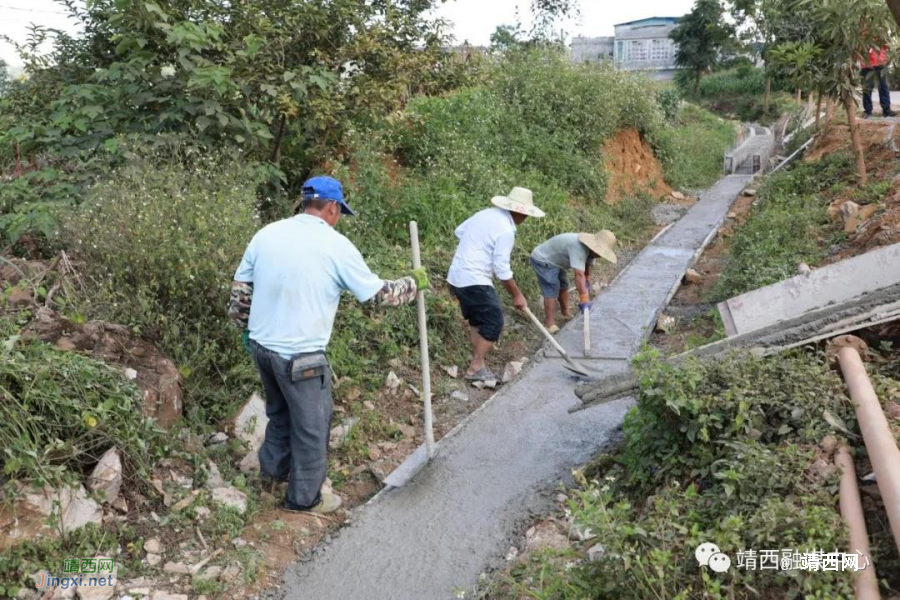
(458,516)
(831,285)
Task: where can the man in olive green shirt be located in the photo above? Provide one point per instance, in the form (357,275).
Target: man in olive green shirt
(552,260)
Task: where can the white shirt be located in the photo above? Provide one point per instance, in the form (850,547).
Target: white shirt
(485,245)
(298,268)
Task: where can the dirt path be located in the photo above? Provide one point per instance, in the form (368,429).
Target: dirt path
(455,520)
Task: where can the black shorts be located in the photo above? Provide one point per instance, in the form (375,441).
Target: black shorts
(481,308)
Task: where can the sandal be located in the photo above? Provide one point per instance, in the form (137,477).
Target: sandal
(553,329)
(482,374)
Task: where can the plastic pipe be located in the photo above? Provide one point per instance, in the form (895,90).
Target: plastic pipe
(866,581)
(880,444)
(423,344)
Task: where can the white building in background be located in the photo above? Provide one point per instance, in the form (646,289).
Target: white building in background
(642,45)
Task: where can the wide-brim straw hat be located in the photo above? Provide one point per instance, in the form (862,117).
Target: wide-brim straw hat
(519,200)
(601,244)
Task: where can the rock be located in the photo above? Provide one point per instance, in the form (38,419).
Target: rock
(65,344)
(834,210)
(581,533)
(750,192)
(20,297)
(213,476)
(230,497)
(823,469)
(545,536)
(98,591)
(677,195)
(250,462)
(374,452)
(120,504)
(177,568)
(153,546)
(368,405)
(232,573)
(107,475)
(29,516)
(512,370)
(250,422)
(849,220)
(828,444)
(27,594)
(340,433)
(153,559)
(164,401)
(392,382)
(63,594)
(130,374)
(665,324)
(732,215)
(866,212)
(239,542)
(512,554)
(168,596)
(210,574)
(459,396)
(693,277)
(452,371)
(202,513)
(893,410)
(803,268)
(408,431)
(596,552)
(186,501)
(217,438)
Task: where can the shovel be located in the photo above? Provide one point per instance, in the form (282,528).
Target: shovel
(570,364)
(418,459)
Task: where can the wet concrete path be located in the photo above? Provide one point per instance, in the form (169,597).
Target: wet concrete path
(458,516)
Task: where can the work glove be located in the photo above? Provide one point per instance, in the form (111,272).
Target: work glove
(420,276)
(245,341)
(584,306)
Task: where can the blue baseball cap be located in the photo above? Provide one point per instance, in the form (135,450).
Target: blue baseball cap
(326,188)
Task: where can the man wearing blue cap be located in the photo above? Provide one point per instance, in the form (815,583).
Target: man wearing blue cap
(285,295)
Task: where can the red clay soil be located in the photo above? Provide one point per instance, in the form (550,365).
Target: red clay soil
(632,168)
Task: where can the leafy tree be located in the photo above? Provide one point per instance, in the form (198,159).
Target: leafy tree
(701,36)
(4,76)
(506,37)
(848,28)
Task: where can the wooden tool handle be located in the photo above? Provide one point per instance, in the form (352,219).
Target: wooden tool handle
(423,343)
(546,333)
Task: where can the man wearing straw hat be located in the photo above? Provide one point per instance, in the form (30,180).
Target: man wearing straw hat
(485,245)
(552,260)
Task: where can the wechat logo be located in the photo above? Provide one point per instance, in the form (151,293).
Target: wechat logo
(709,555)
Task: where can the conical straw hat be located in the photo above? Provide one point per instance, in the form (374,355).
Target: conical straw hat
(601,244)
(519,200)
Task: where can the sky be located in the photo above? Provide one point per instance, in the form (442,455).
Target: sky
(472,20)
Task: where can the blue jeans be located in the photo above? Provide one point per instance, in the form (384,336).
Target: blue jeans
(884,94)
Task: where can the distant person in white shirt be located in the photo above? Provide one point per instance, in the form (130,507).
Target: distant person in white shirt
(485,245)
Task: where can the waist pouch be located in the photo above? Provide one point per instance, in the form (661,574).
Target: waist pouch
(308,366)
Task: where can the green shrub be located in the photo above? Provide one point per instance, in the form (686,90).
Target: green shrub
(788,226)
(160,239)
(669,101)
(721,452)
(695,148)
(60,411)
(743,80)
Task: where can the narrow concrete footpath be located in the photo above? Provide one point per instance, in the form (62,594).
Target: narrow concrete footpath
(459,515)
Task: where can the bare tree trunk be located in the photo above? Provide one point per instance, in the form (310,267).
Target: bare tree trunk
(697,84)
(819,110)
(829,110)
(894,5)
(275,155)
(809,102)
(768,97)
(799,97)
(850,107)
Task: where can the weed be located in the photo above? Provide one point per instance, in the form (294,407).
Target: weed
(694,149)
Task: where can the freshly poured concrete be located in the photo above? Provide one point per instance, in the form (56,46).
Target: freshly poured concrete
(834,284)
(457,517)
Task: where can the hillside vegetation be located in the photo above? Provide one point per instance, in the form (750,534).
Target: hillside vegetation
(155,218)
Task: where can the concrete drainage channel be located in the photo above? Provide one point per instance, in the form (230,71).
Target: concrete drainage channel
(752,153)
(457,517)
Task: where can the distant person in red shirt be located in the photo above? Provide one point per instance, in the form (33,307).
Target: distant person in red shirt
(871,70)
